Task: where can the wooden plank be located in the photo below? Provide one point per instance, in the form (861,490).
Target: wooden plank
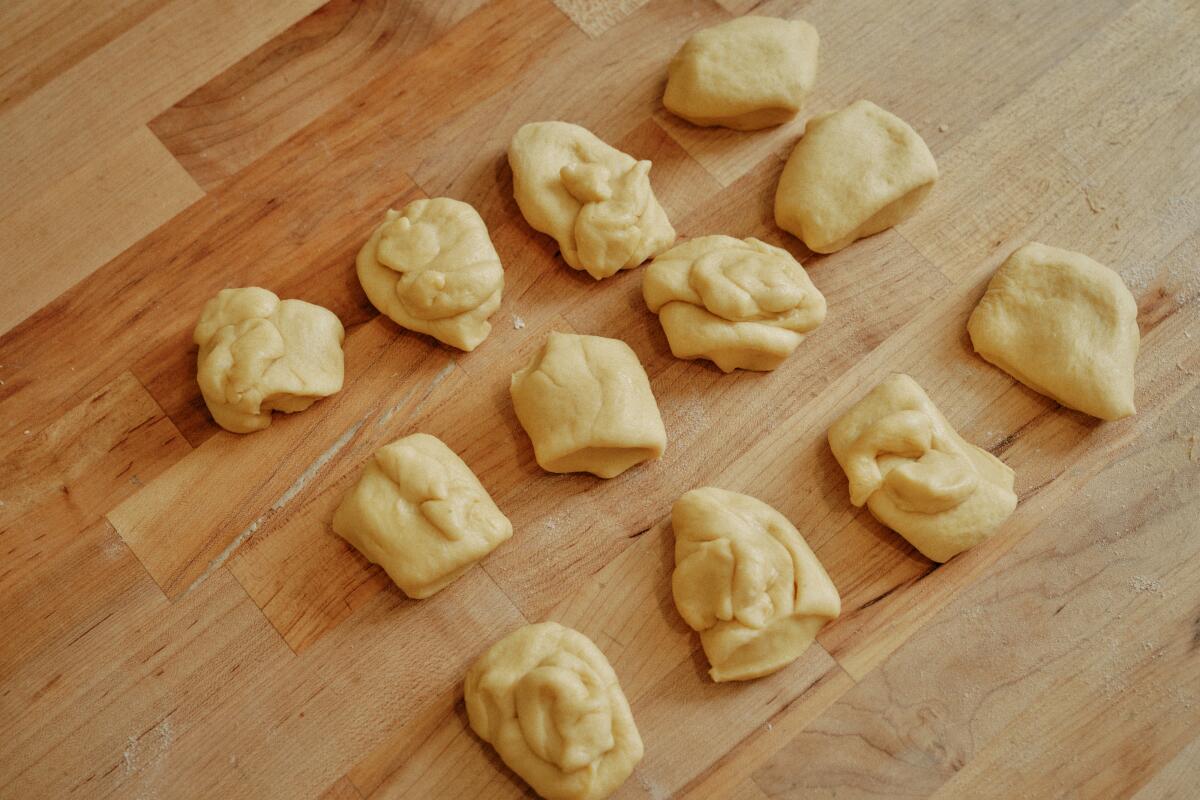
(381,368)
(56,481)
(594,17)
(63,234)
(342,789)
(257,103)
(1177,780)
(198,40)
(41,38)
(1093,123)
(1071,619)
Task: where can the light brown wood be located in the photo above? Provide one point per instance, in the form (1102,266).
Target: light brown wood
(179,620)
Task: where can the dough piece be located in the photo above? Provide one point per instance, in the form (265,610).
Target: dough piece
(259,354)
(431,268)
(586,404)
(854,173)
(748,582)
(1063,325)
(549,702)
(420,513)
(916,474)
(748,73)
(742,304)
(594,199)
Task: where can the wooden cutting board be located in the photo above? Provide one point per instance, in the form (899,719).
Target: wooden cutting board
(178,619)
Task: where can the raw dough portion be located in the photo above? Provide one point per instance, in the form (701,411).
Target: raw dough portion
(549,702)
(916,474)
(854,173)
(585,402)
(420,513)
(748,582)
(594,199)
(1063,325)
(432,268)
(259,354)
(742,304)
(748,73)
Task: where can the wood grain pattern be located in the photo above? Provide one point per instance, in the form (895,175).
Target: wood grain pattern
(63,234)
(179,620)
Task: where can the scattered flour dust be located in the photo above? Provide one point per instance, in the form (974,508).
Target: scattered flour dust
(144,756)
(517,322)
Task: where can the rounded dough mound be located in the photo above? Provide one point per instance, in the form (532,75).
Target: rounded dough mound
(593,199)
(854,173)
(748,582)
(740,303)
(748,73)
(259,354)
(420,513)
(586,403)
(549,702)
(916,474)
(432,268)
(1063,325)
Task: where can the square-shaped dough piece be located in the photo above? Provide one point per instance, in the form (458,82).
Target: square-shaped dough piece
(916,474)
(260,354)
(432,268)
(1063,325)
(748,582)
(741,303)
(748,73)
(593,199)
(548,700)
(420,513)
(586,403)
(854,173)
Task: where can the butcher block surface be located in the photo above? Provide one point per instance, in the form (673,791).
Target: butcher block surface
(177,618)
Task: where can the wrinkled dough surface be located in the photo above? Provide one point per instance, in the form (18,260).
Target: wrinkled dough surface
(259,354)
(741,304)
(420,513)
(549,702)
(586,403)
(432,268)
(854,173)
(748,582)
(593,199)
(916,474)
(748,73)
(1063,325)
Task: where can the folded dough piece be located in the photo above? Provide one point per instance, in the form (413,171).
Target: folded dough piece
(585,402)
(854,173)
(740,303)
(1063,325)
(916,474)
(549,702)
(748,73)
(748,582)
(432,268)
(420,513)
(594,199)
(259,354)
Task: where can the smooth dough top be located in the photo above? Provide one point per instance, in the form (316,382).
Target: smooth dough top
(549,702)
(748,582)
(854,173)
(916,474)
(420,513)
(258,354)
(1065,326)
(748,73)
(592,198)
(740,303)
(432,268)
(586,403)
